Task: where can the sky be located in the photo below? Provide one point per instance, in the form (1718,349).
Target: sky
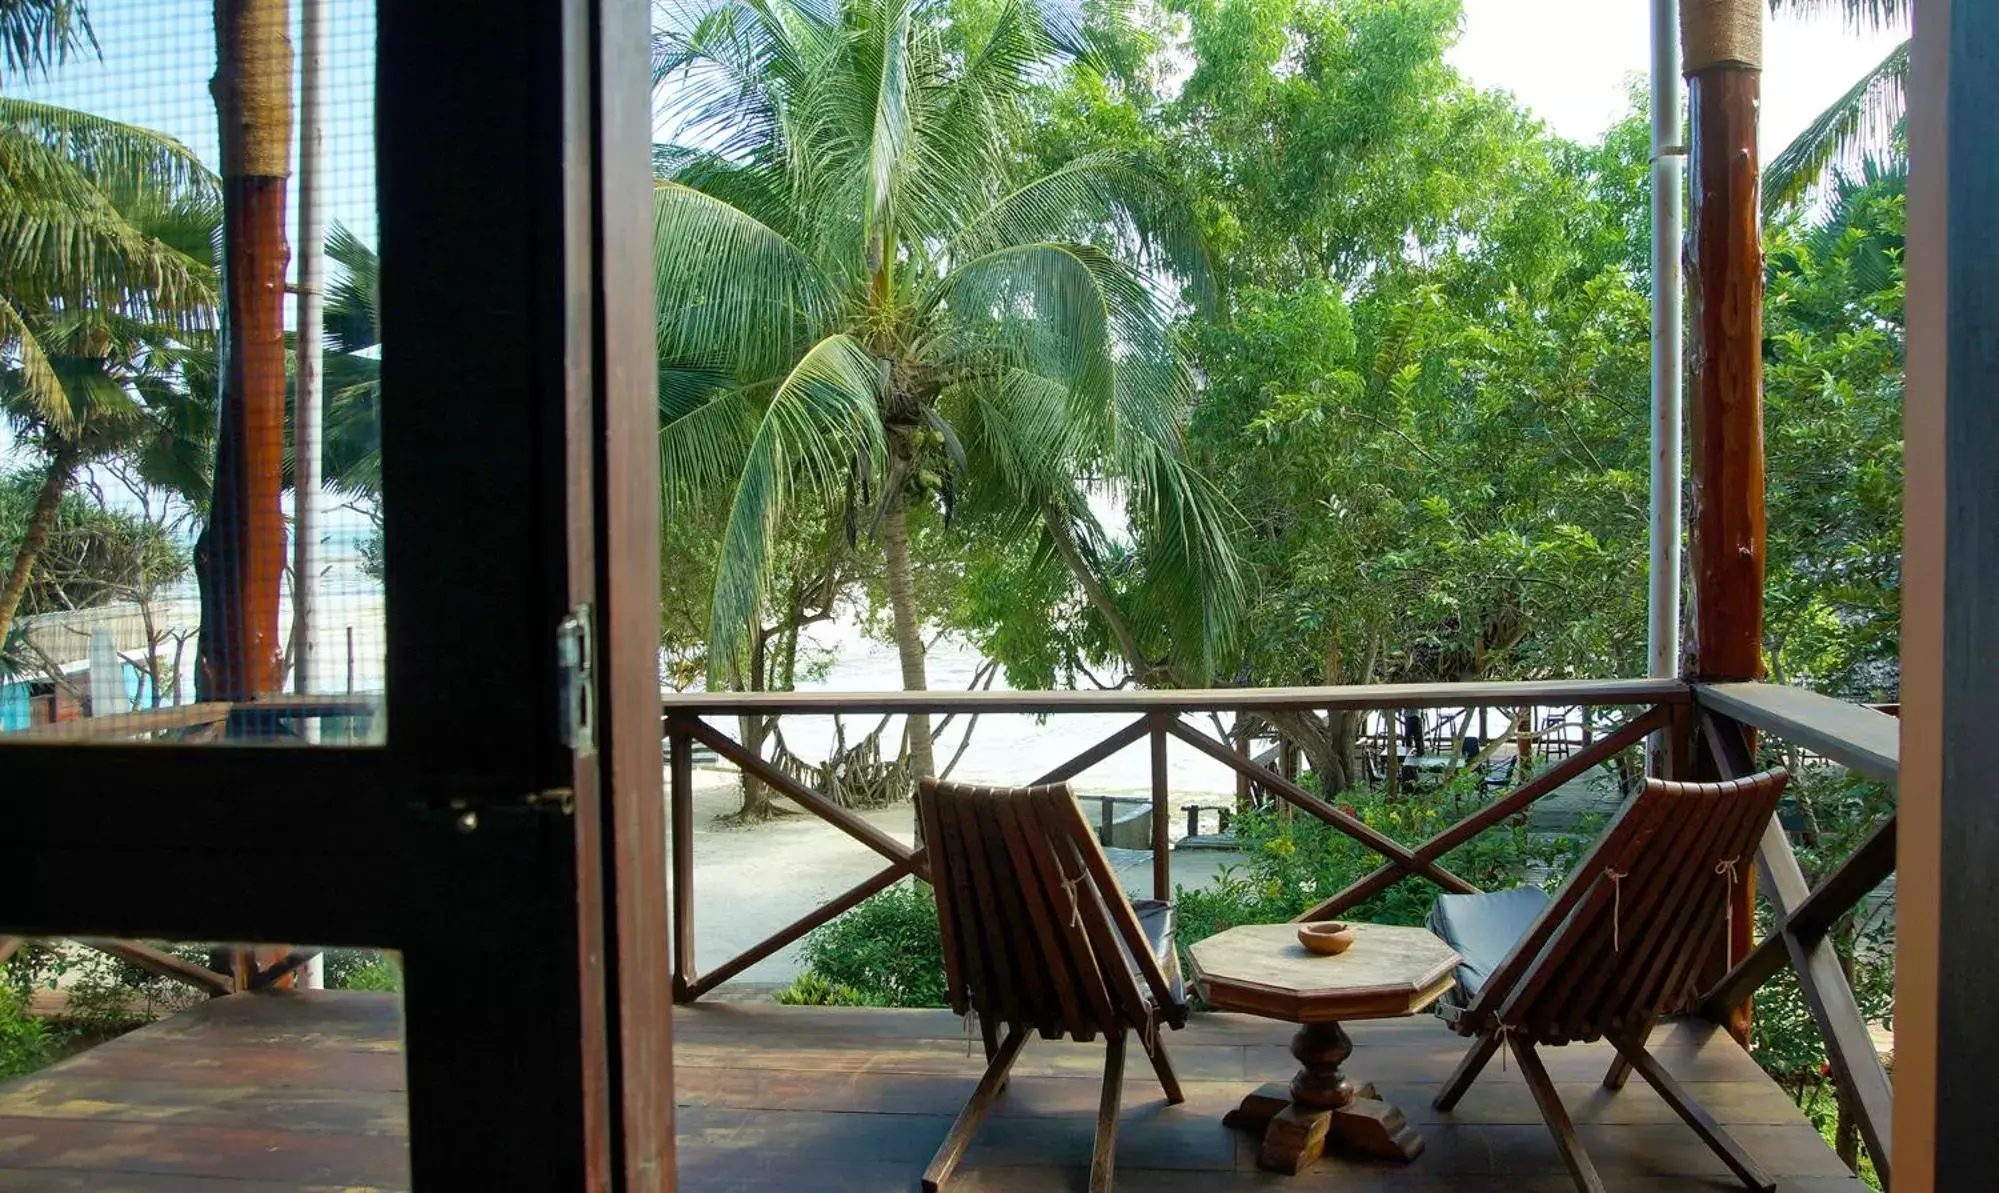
(1573,62)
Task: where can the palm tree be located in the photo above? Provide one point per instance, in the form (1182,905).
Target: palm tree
(106,303)
(1863,123)
(864,292)
(37,34)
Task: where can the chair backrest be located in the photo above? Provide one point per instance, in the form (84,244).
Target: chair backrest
(1036,930)
(1624,940)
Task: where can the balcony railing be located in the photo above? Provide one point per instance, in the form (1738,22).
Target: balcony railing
(1702,729)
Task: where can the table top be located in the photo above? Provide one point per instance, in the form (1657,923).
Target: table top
(1263,970)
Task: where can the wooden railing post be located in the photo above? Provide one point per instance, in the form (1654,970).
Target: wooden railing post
(1391,762)
(1162,855)
(681,808)
(1245,795)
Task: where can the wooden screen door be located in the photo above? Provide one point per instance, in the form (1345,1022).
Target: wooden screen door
(507,835)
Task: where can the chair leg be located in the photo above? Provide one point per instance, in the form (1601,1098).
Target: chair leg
(989,1030)
(1712,1133)
(1103,1157)
(1556,1116)
(1467,1071)
(1620,1068)
(1163,1066)
(967,1123)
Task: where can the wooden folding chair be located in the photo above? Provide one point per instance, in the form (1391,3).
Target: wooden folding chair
(1618,947)
(1039,937)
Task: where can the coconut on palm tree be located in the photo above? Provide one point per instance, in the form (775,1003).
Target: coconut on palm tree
(865,291)
(1863,123)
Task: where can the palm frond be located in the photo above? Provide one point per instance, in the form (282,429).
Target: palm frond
(64,241)
(125,161)
(1859,14)
(38,34)
(820,416)
(37,393)
(1110,188)
(705,428)
(1862,123)
(729,286)
(887,69)
(353,303)
(1058,309)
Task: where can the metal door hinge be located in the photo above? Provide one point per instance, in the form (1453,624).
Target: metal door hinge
(576,660)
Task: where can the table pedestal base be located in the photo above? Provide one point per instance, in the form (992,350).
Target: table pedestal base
(1321,1108)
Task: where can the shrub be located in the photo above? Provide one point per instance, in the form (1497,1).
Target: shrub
(811,990)
(26,1044)
(362,969)
(885,952)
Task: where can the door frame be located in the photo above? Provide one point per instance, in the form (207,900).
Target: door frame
(523,882)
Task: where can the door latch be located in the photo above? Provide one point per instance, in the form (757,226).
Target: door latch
(576,662)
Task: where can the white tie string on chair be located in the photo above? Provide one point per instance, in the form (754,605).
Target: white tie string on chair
(1726,866)
(1617,878)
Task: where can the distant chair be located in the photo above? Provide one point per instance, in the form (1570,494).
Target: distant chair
(1618,947)
(1038,936)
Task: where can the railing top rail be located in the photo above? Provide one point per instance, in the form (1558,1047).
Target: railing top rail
(184,716)
(1562,692)
(1863,739)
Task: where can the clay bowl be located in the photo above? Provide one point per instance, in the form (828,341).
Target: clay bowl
(1326,938)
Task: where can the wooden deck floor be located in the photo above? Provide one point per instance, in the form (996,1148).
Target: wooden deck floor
(260,1093)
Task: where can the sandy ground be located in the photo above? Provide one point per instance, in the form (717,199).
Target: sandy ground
(749,881)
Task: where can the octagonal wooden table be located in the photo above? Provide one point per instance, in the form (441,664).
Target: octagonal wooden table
(1263,970)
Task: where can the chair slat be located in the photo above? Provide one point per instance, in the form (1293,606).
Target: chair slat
(956,980)
(1624,944)
(1041,918)
(948,868)
(1123,916)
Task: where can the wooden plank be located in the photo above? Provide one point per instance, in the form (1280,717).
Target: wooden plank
(1855,1063)
(681,816)
(165,965)
(1865,868)
(1862,739)
(1095,754)
(1566,692)
(823,914)
(1389,874)
(281,969)
(123,724)
(1162,813)
(1384,845)
(839,817)
(967,1124)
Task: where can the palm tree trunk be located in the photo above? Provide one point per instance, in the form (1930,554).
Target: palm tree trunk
(241,555)
(1100,597)
(908,632)
(41,521)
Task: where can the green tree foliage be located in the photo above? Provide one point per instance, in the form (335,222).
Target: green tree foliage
(1834,350)
(868,297)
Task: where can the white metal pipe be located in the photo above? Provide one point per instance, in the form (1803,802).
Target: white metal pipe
(307,415)
(1668,365)
(307,418)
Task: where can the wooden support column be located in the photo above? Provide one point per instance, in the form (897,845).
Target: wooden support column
(1946,1037)
(1722,42)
